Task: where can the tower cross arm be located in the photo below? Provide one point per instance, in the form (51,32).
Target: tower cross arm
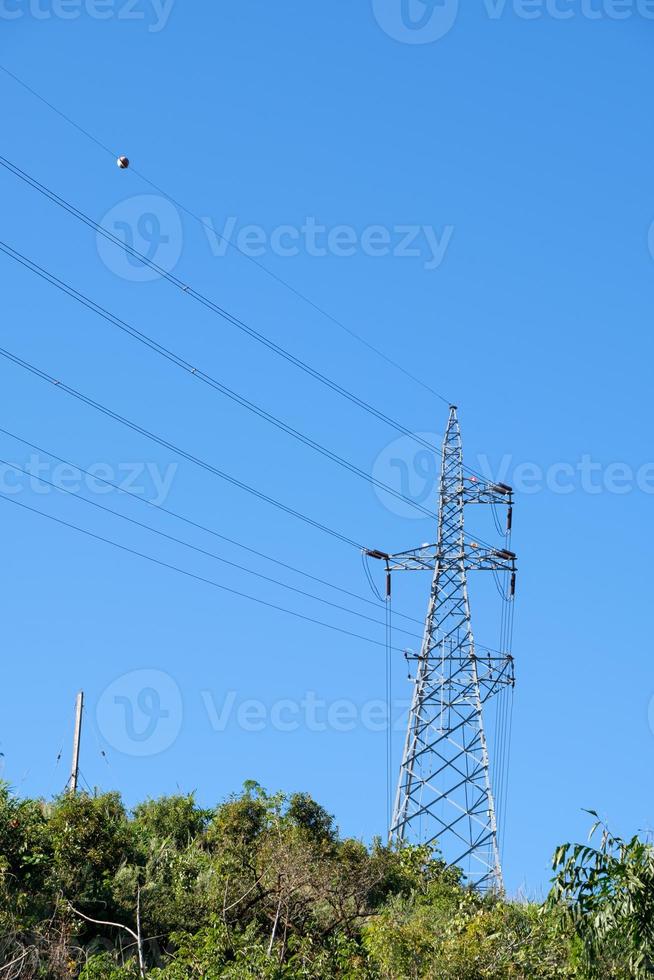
(485,558)
(471,555)
(477,491)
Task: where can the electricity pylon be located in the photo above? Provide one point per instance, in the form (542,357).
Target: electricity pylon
(444,794)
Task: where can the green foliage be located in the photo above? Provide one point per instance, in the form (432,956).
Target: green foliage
(173,818)
(89,839)
(306,813)
(447,931)
(25,851)
(264,887)
(104,966)
(606,895)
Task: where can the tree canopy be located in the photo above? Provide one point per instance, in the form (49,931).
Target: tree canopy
(263,886)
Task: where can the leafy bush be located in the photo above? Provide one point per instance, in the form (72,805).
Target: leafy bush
(264,887)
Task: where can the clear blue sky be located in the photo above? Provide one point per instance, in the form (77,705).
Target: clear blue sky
(524,147)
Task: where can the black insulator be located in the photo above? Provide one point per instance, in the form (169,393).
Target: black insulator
(513,584)
(508,555)
(388,585)
(509,519)
(382,556)
(502,488)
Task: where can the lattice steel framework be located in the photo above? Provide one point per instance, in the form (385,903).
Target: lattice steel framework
(444,793)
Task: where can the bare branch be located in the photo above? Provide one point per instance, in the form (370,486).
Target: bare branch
(102,922)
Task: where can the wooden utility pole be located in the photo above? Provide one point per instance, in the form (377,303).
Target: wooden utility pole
(74,772)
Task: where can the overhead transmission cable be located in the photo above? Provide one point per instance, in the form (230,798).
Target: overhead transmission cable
(172,447)
(203,376)
(189,574)
(504,709)
(192,547)
(218,310)
(506,644)
(201,527)
(203,464)
(196,217)
(389,704)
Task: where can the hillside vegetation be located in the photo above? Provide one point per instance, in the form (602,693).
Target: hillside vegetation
(264,887)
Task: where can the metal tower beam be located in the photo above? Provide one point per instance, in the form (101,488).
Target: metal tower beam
(444,793)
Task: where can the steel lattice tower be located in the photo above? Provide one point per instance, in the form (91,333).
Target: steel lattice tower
(444,794)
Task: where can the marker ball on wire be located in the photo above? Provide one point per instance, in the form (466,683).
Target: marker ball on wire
(123,163)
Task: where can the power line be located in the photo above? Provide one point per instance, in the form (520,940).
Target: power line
(196,217)
(233,320)
(191,575)
(202,527)
(189,521)
(38,96)
(201,551)
(201,375)
(203,464)
(215,308)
